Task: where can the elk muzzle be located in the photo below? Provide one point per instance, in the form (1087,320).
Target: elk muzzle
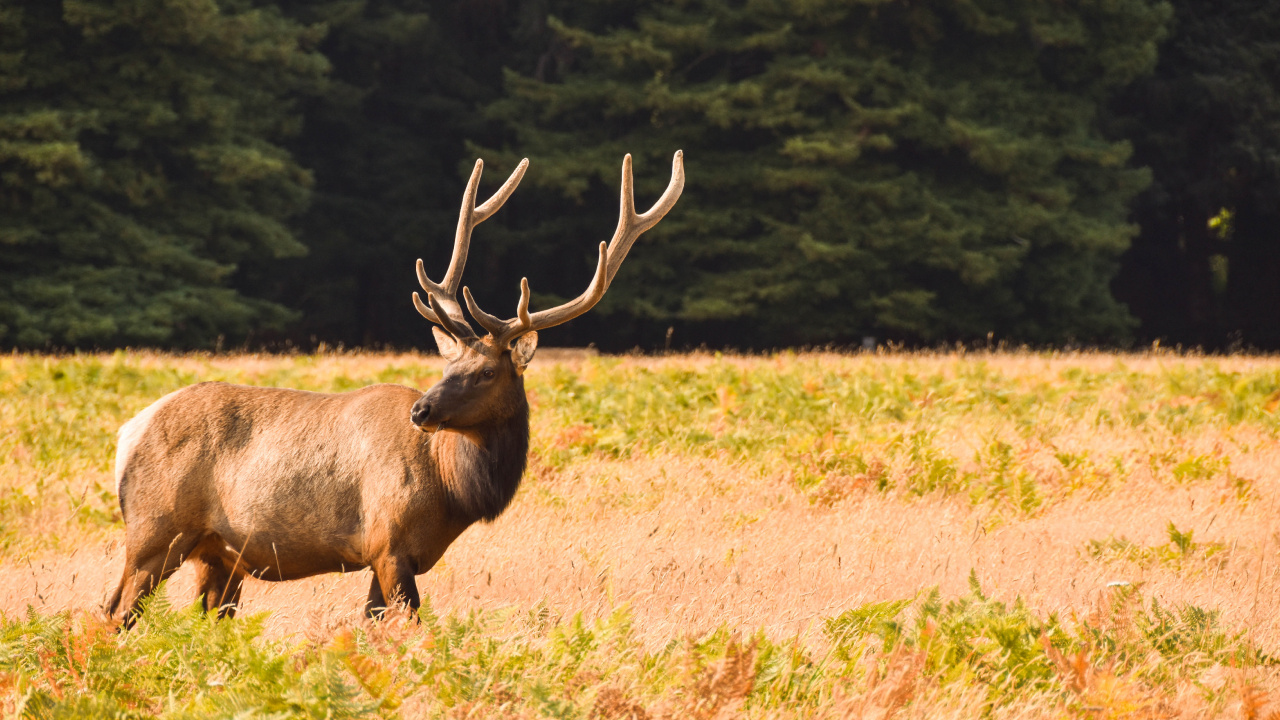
(440,404)
(420,415)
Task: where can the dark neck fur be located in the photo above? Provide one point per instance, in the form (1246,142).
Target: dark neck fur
(485,479)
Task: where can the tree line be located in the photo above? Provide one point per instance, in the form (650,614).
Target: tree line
(196,173)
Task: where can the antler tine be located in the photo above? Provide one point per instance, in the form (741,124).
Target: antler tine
(496,326)
(469,216)
(496,200)
(442,305)
(493,324)
(630,227)
(425,311)
(462,236)
(461,331)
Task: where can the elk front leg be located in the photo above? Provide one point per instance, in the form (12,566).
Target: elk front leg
(145,566)
(393,581)
(376,604)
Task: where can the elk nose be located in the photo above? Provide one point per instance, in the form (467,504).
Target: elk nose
(420,413)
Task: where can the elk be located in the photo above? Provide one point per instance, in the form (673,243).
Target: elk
(281,484)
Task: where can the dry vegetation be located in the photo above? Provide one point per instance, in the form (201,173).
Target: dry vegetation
(1015,535)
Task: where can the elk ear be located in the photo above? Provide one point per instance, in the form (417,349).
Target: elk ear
(449,347)
(522,350)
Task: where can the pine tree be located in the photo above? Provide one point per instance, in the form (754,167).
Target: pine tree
(140,162)
(921,171)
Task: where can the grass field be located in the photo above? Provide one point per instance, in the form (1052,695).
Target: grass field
(797,535)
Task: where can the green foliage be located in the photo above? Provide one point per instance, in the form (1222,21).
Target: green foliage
(1180,551)
(917,171)
(1010,651)
(139,164)
(920,172)
(182,663)
(1193,634)
(872,619)
(174,664)
(835,430)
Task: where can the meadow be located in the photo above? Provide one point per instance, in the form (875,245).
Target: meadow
(1004,535)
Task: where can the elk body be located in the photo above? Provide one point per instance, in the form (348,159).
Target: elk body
(282,484)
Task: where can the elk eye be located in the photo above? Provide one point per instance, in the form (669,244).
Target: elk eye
(487,374)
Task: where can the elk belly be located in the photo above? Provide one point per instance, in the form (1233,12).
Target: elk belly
(282,558)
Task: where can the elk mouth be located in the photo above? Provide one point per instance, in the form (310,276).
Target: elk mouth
(428,427)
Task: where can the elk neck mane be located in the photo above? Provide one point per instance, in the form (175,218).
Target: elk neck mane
(481,479)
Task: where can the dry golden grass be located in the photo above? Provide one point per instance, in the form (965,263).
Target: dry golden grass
(694,540)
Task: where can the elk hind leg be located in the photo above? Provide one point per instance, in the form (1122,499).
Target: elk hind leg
(143,573)
(376,605)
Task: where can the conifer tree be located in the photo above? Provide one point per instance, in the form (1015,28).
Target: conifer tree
(140,162)
(921,171)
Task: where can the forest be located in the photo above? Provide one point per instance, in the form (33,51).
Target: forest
(263,174)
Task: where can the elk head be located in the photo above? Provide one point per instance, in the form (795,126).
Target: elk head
(484,378)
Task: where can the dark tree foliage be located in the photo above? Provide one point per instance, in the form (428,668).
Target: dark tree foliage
(922,171)
(387,144)
(1206,268)
(139,163)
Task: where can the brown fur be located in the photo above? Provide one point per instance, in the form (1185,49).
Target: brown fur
(283,484)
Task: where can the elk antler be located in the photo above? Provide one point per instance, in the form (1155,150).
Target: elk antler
(442,306)
(630,227)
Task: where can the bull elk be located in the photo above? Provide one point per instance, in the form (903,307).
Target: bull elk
(283,484)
